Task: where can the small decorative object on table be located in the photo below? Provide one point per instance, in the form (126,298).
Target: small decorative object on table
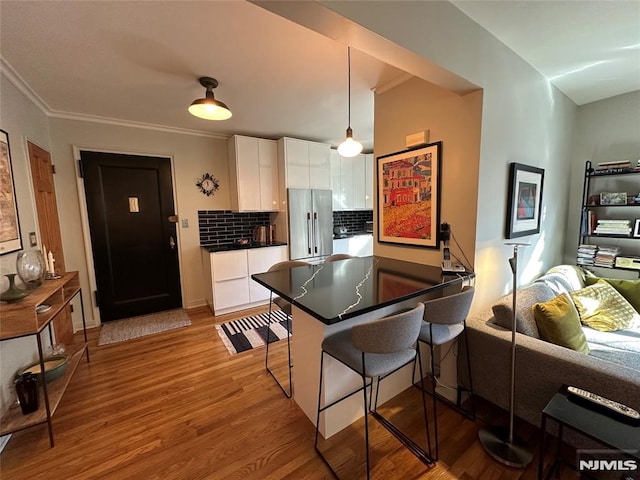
(13,293)
(31,268)
(54,367)
(26,386)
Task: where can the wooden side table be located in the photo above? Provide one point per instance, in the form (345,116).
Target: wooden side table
(587,420)
(21,320)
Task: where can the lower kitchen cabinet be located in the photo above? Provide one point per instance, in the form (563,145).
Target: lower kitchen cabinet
(357,245)
(229,286)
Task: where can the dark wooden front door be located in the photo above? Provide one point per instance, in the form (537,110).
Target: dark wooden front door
(133,237)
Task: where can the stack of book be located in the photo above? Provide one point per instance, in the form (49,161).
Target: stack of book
(587,254)
(613,227)
(588,222)
(606,256)
(616,166)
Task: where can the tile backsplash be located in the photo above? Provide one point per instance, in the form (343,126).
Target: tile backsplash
(219,227)
(352,219)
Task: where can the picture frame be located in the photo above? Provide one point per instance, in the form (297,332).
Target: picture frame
(408,190)
(613,198)
(10,239)
(636,229)
(524,200)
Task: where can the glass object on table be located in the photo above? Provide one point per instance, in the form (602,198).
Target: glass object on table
(30,265)
(13,293)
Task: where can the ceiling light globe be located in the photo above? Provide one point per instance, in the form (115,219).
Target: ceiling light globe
(349,148)
(209,110)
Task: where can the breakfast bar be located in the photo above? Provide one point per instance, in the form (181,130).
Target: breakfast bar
(331,297)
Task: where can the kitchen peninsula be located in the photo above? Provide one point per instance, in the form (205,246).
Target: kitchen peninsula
(334,296)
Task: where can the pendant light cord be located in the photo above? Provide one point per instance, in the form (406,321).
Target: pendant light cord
(349,87)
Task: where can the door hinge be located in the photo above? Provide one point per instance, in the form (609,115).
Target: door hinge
(53,169)
(95,296)
(80,168)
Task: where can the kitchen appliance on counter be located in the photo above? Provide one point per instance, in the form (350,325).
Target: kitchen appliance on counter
(368,226)
(310,224)
(264,235)
(340,232)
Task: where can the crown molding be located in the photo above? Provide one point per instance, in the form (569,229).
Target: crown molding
(127,123)
(10,73)
(394,82)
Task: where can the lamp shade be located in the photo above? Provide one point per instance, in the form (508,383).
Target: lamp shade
(208,107)
(349,147)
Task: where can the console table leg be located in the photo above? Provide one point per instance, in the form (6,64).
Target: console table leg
(44,388)
(84,325)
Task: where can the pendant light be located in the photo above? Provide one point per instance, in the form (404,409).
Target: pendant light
(209,108)
(350,147)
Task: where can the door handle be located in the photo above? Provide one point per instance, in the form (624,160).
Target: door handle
(309,233)
(316,232)
(172,242)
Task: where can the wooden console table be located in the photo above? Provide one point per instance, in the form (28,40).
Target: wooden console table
(22,320)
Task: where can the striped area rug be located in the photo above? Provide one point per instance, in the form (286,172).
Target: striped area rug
(251,332)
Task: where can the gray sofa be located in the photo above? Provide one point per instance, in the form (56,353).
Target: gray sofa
(611,369)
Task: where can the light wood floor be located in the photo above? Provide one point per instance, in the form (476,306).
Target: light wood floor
(176,406)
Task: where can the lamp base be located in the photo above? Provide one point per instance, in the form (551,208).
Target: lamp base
(495,441)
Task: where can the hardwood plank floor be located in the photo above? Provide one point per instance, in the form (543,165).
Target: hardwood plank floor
(176,406)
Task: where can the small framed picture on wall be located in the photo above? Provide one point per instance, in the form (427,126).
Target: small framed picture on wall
(524,201)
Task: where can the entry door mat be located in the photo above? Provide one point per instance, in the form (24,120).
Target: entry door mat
(135,327)
(251,332)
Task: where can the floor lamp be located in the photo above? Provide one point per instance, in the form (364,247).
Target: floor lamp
(499,442)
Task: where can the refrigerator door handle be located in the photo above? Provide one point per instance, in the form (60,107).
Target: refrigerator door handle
(309,232)
(316,233)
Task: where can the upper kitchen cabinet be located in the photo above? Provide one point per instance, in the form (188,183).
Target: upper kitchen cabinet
(350,182)
(369,162)
(253,164)
(304,164)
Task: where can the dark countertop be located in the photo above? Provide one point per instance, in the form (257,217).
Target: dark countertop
(225,247)
(336,291)
(352,234)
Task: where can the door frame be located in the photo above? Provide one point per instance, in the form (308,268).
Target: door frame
(84,219)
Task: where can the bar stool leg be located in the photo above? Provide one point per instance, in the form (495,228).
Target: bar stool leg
(433,396)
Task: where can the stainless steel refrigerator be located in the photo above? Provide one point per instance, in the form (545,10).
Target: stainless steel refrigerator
(310,224)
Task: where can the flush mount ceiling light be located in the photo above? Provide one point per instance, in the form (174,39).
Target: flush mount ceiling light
(350,147)
(208,107)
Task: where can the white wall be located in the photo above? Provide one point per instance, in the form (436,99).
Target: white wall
(192,155)
(23,121)
(604,131)
(454,120)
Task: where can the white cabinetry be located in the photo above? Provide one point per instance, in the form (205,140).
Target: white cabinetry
(253,165)
(349,182)
(369,162)
(305,164)
(358,245)
(228,277)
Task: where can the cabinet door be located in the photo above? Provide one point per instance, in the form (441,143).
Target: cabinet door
(346,186)
(358,181)
(229,265)
(297,163)
(230,279)
(260,260)
(341,245)
(248,183)
(368,181)
(230,293)
(268,161)
(336,194)
(319,166)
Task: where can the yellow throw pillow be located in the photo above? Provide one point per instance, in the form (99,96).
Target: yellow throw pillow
(601,307)
(629,289)
(558,322)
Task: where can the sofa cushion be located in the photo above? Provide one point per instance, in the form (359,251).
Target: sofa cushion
(601,307)
(629,289)
(526,297)
(558,322)
(573,275)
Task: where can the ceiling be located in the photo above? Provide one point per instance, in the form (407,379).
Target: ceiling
(138,62)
